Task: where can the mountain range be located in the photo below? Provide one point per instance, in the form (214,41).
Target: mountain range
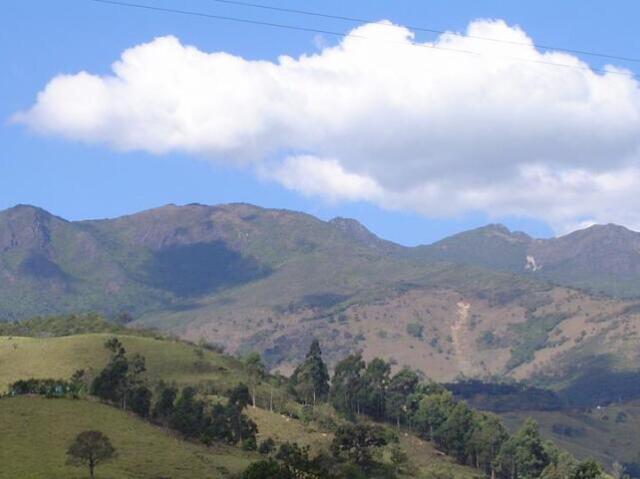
(483,303)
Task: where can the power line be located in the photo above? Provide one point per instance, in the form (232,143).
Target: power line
(345,35)
(428,30)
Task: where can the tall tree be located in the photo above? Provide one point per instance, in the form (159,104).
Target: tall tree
(456,431)
(90,449)
(310,380)
(375,382)
(256,371)
(401,388)
(242,428)
(432,412)
(524,455)
(109,384)
(485,442)
(121,377)
(188,413)
(347,383)
(165,405)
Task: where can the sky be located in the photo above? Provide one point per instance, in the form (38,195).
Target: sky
(107,110)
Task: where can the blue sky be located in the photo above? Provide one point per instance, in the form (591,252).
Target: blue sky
(41,39)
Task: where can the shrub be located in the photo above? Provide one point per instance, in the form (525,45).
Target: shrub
(415,330)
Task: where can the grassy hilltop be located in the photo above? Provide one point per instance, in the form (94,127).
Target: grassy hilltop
(170,360)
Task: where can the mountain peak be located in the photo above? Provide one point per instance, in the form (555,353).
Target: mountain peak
(609,231)
(358,232)
(21,209)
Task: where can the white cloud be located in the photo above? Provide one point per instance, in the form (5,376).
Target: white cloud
(381,119)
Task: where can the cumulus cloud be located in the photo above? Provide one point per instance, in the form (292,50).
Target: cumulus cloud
(441,128)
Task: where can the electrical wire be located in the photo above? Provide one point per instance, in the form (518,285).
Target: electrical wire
(429,30)
(350,35)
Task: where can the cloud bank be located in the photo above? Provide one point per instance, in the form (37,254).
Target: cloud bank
(420,127)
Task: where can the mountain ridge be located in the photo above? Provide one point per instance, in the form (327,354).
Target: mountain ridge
(269,280)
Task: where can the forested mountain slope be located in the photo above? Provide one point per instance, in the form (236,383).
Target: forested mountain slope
(482,303)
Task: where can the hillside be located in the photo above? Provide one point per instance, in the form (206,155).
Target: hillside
(600,258)
(607,433)
(34,425)
(270,280)
(149,452)
(43,428)
(59,357)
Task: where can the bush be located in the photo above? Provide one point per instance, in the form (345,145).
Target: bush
(267,446)
(249,444)
(267,469)
(415,330)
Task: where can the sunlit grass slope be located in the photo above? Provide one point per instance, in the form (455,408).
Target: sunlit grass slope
(23,358)
(35,433)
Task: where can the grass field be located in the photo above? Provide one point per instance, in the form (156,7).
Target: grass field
(58,358)
(35,433)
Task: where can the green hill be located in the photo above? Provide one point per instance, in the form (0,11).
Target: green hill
(170,360)
(37,431)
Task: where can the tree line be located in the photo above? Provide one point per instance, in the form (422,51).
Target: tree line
(358,390)
(473,438)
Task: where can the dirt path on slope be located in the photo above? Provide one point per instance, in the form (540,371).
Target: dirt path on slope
(460,338)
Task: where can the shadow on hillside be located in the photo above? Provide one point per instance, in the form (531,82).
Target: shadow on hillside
(192,270)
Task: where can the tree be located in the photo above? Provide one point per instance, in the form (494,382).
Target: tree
(588,469)
(296,460)
(109,384)
(346,384)
(78,383)
(375,382)
(486,440)
(561,466)
(432,412)
(242,428)
(139,400)
(524,455)
(187,416)
(401,388)
(267,446)
(356,443)
(120,377)
(164,406)
(267,469)
(90,448)
(454,434)
(310,380)
(256,370)
(239,396)
(216,427)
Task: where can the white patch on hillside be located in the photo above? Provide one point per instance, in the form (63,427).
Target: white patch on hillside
(531,264)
